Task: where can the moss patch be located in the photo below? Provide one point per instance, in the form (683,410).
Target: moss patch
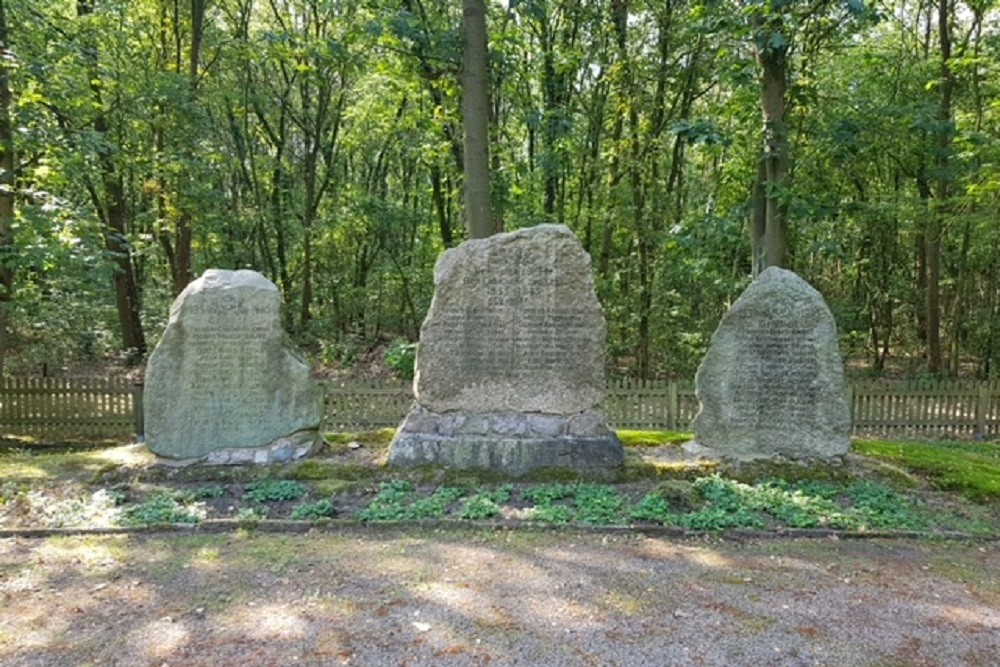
(972,469)
(652,438)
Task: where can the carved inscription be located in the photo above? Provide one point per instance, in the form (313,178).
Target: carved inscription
(776,383)
(226,356)
(514,329)
(513,344)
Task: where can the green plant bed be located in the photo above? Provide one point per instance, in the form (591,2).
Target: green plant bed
(274,491)
(712,503)
(160,508)
(972,469)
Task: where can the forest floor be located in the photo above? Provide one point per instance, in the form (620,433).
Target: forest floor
(110,557)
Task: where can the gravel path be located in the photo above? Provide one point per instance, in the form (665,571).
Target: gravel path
(370,596)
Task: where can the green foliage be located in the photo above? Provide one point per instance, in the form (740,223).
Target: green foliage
(546,494)
(159,508)
(200,493)
(274,491)
(251,515)
(320,509)
(401,356)
(359,194)
(653,508)
(552,514)
(396,501)
(485,505)
(722,503)
(878,506)
(598,504)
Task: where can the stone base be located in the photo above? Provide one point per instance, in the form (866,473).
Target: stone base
(288,448)
(512,443)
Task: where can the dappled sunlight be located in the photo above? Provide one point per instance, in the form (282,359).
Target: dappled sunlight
(26,579)
(159,639)
(206,560)
(29,631)
(987,619)
(86,553)
(557,611)
(707,558)
(701,556)
(265,621)
(23,468)
(609,560)
(458,595)
(132,456)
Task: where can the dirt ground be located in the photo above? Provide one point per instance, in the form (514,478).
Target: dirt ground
(370,595)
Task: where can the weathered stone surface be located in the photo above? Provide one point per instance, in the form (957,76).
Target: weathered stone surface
(510,368)
(512,455)
(515,326)
(772,381)
(223,376)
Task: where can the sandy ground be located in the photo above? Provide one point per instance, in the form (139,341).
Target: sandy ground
(416,596)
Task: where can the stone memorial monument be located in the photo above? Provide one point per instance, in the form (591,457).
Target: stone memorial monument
(772,381)
(224,383)
(510,367)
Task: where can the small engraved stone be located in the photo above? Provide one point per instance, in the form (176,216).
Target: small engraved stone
(223,376)
(772,381)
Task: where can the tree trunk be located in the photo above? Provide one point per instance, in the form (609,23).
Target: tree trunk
(475,117)
(7,165)
(942,192)
(772,246)
(775,244)
(441,207)
(113,211)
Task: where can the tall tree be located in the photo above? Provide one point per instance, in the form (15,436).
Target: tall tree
(769,229)
(111,203)
(7,185)
(475,118)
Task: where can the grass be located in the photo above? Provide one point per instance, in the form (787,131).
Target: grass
(26,464)
(652,438)
(972,469)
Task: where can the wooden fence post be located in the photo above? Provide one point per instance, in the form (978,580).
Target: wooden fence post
(673,405)
(982,410)
(137,407)
(850,402)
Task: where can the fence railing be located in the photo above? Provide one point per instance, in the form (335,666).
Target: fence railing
(113,407)
(888,408)
(70,406)
(926,409)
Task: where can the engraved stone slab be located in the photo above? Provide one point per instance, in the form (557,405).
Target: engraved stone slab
(772,381)
(223,376)
(510,368)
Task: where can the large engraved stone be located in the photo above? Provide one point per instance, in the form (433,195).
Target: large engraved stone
(510,368)
(223,376)
(772,381)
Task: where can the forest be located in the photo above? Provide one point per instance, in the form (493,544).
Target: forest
(321,142)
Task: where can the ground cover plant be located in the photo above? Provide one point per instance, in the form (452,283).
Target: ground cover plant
(892,486)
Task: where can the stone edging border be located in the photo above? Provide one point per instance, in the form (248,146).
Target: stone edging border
(219,526)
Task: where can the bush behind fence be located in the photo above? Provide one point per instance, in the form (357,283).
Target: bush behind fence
(112,407)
